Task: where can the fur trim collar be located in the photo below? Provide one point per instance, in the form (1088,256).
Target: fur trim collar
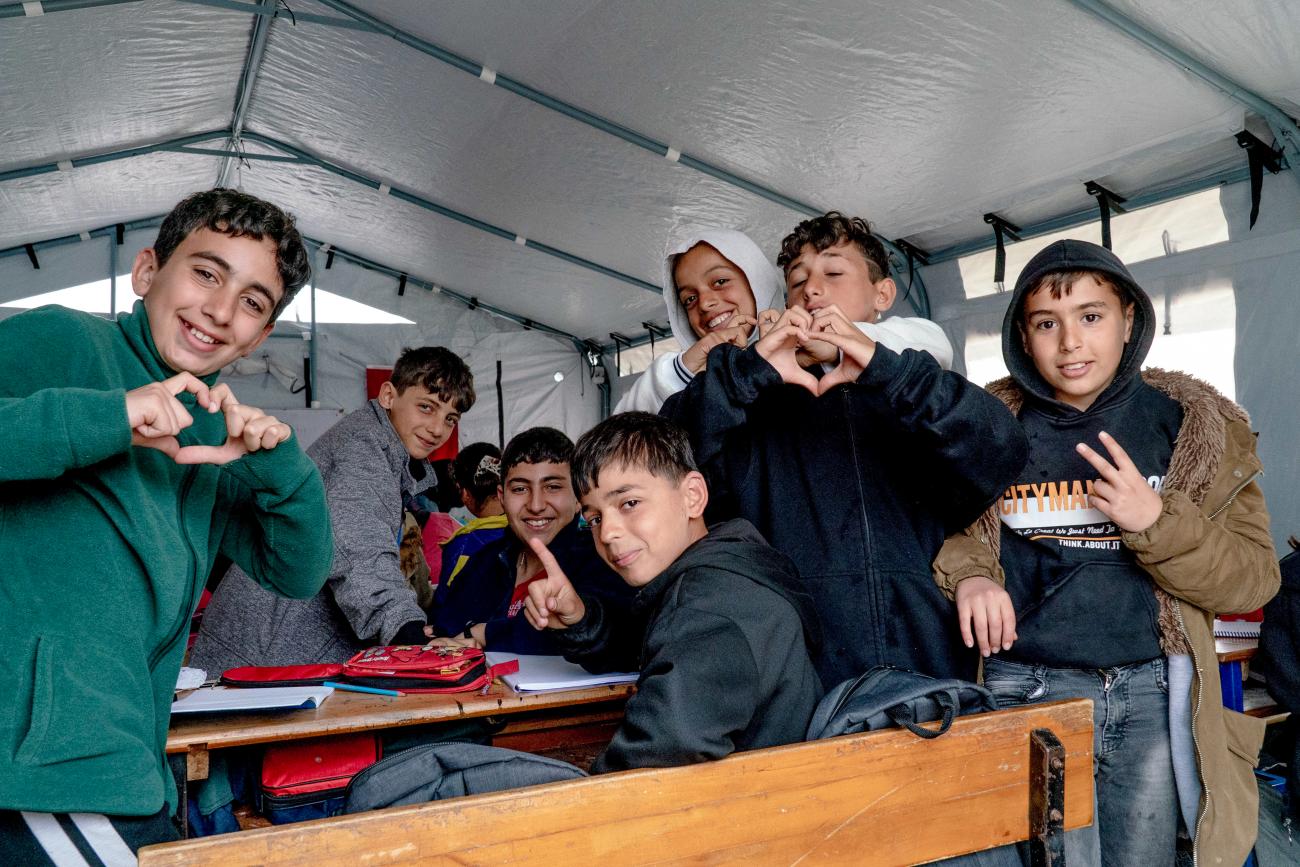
(1198,452)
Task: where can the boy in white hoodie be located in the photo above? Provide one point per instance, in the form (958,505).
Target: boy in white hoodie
(715,282)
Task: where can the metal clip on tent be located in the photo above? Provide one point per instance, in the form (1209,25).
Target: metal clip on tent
(1106,202)
(1260,156)
(914,255)
(654,331)
(1001,231)
(620,340)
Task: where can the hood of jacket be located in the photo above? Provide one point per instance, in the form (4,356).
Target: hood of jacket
(765,279)
(735,546)
(1070,255)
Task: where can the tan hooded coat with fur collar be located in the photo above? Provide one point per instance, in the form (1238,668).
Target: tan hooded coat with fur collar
(1209,552)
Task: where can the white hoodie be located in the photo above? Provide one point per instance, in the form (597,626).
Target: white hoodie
(666,375)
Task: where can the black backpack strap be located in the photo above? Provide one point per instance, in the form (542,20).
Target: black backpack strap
(901,714)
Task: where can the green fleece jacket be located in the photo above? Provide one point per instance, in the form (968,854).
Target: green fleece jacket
(104,550)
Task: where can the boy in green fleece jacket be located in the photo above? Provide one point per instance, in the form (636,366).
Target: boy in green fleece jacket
(124,470)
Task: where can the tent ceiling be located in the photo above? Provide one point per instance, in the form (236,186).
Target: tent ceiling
(922,116)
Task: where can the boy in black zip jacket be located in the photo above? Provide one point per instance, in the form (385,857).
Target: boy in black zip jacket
(856,473)
(719,628)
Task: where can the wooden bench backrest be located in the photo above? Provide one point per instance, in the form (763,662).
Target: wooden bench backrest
(884,797)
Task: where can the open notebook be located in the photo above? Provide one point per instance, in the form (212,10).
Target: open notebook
(219,699)
(546,673)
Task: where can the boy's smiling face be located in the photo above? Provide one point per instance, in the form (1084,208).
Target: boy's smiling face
(711,289)
(211,303)
(1077,341)
(642,522)
(538,499)
(423,419)
(838,275)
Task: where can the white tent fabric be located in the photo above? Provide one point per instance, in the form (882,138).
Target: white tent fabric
(534,156)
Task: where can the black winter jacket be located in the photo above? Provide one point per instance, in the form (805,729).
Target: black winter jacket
(858,486)
(721,640)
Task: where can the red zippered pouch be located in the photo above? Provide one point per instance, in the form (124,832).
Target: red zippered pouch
(404,667)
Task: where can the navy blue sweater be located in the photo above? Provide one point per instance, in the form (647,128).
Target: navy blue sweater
(481,592)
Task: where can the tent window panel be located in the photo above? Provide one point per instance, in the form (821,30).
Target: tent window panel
(1176,226)
(333,309)
(330,308)
(638,358)
(89,297)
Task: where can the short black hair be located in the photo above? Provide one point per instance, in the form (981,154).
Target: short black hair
(834,228)
(439,370)
(632,439)
(537,445)
(239,215)
(477,470)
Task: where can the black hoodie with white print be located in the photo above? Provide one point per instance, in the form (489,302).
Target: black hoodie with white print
(1081,600)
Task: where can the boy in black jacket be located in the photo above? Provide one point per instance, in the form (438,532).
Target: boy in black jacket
(719,628)
(855,472)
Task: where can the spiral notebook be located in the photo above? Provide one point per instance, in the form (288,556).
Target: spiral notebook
(1238,629)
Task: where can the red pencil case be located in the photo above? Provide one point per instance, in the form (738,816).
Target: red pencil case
(404,667)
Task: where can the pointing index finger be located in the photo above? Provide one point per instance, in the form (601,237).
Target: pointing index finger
(544,554)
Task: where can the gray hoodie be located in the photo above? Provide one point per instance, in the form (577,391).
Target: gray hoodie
(366,598)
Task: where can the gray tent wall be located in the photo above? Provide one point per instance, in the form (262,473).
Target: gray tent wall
(1260,265)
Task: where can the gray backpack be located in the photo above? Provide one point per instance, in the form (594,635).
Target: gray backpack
(884,697)
(448,770)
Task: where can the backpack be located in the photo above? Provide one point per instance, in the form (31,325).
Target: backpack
(884,697)
(434,772)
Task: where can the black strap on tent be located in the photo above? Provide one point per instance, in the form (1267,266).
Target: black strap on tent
(329,259)
(914,256)
(1001,231)
(306,379)
(120,229)
(620,340)
(1260,156)
(654,331)
(501,410)
(1106,202)
(401,285)
(473,305)
(31,254)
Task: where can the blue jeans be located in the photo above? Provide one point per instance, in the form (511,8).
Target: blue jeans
(1136,818)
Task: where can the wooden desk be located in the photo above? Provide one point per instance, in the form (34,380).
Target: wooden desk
(345,712)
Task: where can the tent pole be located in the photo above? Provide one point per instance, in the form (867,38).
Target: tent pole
(247,78)
(1283,126)
(112,278)
(458,216)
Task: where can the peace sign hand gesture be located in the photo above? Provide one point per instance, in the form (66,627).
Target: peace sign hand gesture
(1122,493)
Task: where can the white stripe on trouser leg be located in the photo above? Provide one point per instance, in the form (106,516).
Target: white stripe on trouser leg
(104,839)
(53,839)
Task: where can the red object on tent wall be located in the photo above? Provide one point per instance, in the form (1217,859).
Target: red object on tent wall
(377,376)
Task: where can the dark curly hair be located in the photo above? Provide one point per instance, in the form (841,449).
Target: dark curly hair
(239,215)
(834,228)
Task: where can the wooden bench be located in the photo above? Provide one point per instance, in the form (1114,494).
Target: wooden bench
(884,797)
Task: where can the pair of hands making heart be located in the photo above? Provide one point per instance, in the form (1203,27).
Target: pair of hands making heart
(984,611)
(795,337)
(156,416)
